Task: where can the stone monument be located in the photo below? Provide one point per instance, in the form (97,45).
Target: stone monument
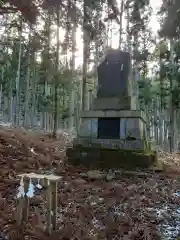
(114,114)
(113,121)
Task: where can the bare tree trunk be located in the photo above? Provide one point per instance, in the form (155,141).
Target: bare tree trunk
(11,105)
(1,90)
(172,135)
(85,62)
(56,80)
(17,106)
(111,34)
(33,93)
(161,118)
(26,103)
(72,94)
(156,127)
(128,29)
(120,25)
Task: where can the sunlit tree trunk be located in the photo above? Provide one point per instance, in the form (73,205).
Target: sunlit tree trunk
(72,94)
(55,120)
(128,39)
(121,22)
(46,70)
(85,55)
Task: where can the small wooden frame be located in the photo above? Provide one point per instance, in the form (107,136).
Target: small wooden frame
(51,183)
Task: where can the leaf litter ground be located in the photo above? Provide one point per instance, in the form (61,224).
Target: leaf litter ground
(91,205)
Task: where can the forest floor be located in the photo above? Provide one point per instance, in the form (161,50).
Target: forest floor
(91,205)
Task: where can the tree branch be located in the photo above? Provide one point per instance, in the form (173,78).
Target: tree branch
(7,9)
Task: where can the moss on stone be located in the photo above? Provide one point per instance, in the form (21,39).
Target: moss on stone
(101,158)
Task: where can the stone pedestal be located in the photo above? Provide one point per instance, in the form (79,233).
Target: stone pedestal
(131,130)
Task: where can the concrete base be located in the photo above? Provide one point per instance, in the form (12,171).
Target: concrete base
(90,150)
(97,158)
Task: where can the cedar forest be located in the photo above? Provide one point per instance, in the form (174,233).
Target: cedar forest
(40,84)
(44,86)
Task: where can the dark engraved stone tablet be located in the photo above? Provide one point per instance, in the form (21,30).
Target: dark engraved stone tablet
(113,74)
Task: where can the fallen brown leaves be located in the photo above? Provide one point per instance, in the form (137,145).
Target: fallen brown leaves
(171,161)
(137,206)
